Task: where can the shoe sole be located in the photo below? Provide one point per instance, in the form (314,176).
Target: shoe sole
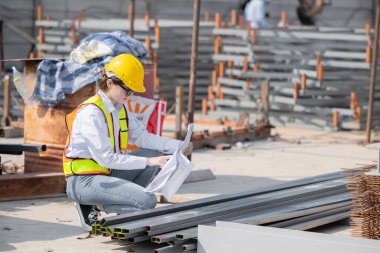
(81,218)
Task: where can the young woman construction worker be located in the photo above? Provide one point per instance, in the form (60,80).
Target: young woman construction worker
(97,168)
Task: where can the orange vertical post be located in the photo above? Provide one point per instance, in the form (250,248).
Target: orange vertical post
(358,113)
(217,44)
(214,78)
(318,61)
(80,18)
(320,72)
(218,20)
(40,30)
(211,98)
(74,31)
(241,21)
(207,16)
(245,64)
(233,17)
(303,82)
(221,69)
(204,106)
(295,90)
(147,18)
(368,52)
(210,94)
(156,31)
(353,101)
(368,26)
(283,19)
(147,43)
(336,119)
(39,12)
(230,66)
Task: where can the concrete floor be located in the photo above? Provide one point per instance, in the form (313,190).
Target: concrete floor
(51,225)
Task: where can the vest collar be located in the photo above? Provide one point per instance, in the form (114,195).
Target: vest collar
(107,103)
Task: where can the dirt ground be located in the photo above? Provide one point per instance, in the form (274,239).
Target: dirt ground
(51,224)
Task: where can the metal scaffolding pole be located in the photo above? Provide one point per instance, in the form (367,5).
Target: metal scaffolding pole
(1,49)
(193,64)
(132,18)
(373,74)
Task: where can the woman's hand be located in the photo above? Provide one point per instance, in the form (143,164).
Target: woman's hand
(188,150)
(158,161)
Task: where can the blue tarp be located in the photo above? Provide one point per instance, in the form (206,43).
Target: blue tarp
(56,78)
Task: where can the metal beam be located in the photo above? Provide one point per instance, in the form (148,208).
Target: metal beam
(193,63)
(373,74)
(108,221)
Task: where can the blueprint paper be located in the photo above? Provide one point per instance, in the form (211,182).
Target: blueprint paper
(175,171)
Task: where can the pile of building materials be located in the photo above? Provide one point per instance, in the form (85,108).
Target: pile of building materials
(174,56)
(301,204)
(168,43)
(318,76)
(365,211)
(58,38)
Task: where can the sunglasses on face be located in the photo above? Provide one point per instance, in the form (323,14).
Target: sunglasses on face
(128,92)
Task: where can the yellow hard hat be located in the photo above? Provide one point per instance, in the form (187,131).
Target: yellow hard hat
(128,69)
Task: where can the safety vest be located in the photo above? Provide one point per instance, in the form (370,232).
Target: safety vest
(84,166)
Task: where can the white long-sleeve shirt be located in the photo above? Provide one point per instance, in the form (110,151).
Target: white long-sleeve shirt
(89,138)
(254,12)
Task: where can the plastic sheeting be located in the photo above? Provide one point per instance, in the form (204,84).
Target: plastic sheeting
(56,78)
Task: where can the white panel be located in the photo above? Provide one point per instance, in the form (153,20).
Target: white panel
(249,238)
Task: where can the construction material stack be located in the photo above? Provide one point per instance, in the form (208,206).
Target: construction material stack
(319,76)
(300,205)
(365,211)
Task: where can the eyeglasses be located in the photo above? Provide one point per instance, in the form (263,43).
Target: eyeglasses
(128,92)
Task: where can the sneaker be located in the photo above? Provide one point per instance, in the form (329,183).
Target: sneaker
(88,215)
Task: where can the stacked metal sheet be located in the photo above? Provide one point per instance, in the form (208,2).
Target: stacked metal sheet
(59,37)
(301,205)
(174,56)
(318,76)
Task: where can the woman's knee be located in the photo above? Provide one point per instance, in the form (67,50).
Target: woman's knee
(150,201)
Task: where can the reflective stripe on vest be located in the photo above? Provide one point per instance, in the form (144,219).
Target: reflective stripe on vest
(80,166)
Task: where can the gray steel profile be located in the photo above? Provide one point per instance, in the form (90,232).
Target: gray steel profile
(108,221)
(179,220)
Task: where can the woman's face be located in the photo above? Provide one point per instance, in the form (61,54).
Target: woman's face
(118,93)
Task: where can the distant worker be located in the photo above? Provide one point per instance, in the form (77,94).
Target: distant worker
(255,13)
(97,166)
(302,13)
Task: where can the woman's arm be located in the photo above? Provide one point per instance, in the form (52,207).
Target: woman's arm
(139,136)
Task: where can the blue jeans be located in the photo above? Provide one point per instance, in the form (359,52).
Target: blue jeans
(120,192)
